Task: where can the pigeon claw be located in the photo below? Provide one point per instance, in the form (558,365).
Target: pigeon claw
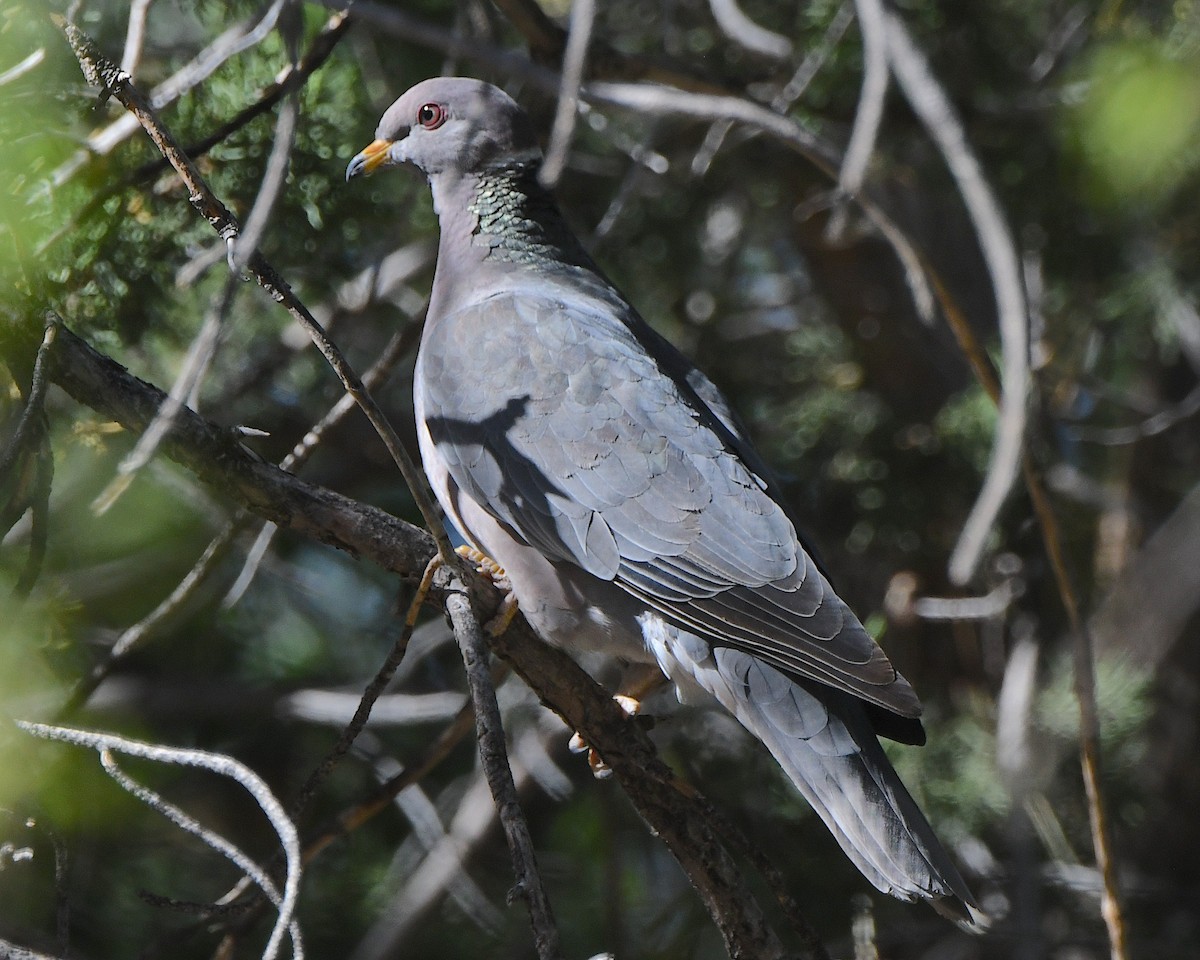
(489,568)
(600,769)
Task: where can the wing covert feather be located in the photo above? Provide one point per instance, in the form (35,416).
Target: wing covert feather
(571,434)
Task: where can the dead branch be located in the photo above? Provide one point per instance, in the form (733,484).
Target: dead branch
(1085,681)
(583,14)
(102,73)
(493,753)
(931,104)
(224,766)
(742,30)
(218,456)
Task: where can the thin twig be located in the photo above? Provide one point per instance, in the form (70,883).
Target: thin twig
(812,63)
(1153,425)
(19,70)
(1089,719)
(869,115)
(448,850)
(933,107)
(31,431)
(362,713)
(272,183)
(216,763)
(27,425)
(135,36)
(494,755)
(397,347)
(991,604)
(381,798)
(210,838)
(583,14)
(229,44)
(743,31)
(191,374)
(1089,723)
(132,636)
(103,73)
(814,949)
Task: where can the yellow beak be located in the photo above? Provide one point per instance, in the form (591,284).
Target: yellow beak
(373,156)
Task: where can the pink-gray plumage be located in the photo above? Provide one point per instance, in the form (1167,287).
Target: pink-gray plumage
(575,446)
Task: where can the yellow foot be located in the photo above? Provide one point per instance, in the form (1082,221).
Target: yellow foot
(483,563)
(494,572)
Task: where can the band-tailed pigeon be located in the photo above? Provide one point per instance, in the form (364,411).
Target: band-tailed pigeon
(608,476)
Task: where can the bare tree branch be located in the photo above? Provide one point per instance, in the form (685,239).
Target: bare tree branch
(931,104)
(191,374)
(135,36)
(496,769)
(103,73)
(583,13)
(221,765)
(441,870)
(742,30)
(19,70)
(869,115)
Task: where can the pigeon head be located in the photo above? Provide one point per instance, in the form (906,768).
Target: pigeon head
(450,125)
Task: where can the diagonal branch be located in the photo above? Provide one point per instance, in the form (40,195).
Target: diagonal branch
(101,72)
(218,457)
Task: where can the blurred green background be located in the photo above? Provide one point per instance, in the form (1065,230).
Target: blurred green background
(1085,118)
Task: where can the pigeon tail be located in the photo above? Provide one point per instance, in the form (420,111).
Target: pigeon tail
(826,746)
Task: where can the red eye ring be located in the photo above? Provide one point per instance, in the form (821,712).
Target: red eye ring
(431,115)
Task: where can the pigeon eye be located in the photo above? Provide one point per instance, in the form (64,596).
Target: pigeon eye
(431,116)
